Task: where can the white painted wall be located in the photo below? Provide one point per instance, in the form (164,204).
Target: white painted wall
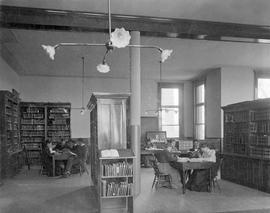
(212,104)
(188,109)
(237,85)
(9,79)
(58,89)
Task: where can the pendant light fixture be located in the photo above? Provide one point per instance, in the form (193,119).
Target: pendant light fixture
(82,108)
(120,38)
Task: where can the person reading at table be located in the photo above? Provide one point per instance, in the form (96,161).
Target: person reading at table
(199,179)
(165,158)
(77,152)
(195,152)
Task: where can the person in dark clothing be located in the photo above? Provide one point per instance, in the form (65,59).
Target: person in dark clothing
(78,153)
(199,179)
(165,161)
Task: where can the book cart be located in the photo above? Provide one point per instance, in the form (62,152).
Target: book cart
(113,177)
(246,145)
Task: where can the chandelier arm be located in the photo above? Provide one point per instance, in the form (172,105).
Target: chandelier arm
(146,46)
(110,19)
(104,57)
(77,44)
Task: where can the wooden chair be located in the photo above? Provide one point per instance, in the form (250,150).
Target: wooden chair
(160,179)
(217,171)
(83,159)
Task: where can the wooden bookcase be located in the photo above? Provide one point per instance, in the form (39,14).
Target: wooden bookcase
(109,129)
(246,144)
(11,149)
(41,121)
(58,121)
(33,125)
(115,191)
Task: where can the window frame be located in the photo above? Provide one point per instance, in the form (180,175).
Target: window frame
(179,86)
(196,105)
(261,75)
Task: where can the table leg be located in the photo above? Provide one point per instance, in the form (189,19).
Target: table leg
(184,181)
(53,165)
(210,183)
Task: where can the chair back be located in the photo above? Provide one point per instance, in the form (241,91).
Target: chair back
(155,167)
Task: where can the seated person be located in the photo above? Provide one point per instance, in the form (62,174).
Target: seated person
(171,147)
(47,151)
(195,152)
(150,145)
(199,179)
(60,145)
(77,153)
(165,158)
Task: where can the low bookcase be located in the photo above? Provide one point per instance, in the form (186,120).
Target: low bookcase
(115,183)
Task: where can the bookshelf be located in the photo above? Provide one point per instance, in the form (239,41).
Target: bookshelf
(41,121)
(11,149)
(32,129)
(109,129)
(116,182)
(246,144)
(58,121)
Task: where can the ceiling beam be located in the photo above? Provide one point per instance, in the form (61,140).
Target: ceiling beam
(45,19)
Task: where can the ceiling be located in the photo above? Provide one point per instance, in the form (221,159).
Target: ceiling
(241,11)
(22,48)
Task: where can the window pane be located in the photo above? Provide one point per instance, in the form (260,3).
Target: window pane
(200,132)
(171,131)
(200,118)
(200,94)
(170,116)
(169,96)
(263,88)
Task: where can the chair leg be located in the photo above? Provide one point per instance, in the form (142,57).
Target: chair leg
(218,186)
(154,181)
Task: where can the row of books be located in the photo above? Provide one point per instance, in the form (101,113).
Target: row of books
(116,188)
(28,133)
(118,169)
(236,138)
(64,127)
(261,152)
(237,127)
(235,148)
(33,146)
(32,121)
(242,116)
(58,110)
(64,133)
(36,127)
(34,154)
(59,122)
(262,127)
(58,116)
(34,110)
(32,140)
(31,116)
(262,115)
(262,140)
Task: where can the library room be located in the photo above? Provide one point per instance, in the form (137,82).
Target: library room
(135,106)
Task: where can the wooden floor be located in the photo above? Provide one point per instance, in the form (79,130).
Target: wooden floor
(31,193)
(233,198)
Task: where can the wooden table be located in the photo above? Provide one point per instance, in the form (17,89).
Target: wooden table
(58,156)
(185,166)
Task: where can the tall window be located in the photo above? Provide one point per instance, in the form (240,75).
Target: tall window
(170,109)
(199,111)
(263,87)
